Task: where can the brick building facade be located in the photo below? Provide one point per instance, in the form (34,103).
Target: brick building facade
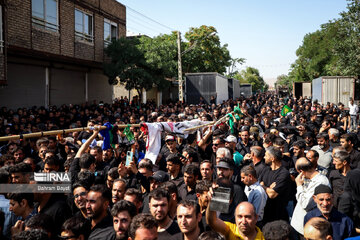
(53,50)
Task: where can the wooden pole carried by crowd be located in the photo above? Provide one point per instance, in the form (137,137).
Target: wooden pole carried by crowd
(215,123)
(66,131)
(56,132)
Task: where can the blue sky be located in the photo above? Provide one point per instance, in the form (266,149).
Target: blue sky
(264,32)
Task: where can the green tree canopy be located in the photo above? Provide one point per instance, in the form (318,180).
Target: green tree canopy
(206,54)
(128,65)
(142,62)
(251,75)
(331,50)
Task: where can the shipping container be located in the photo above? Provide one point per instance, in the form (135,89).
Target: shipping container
(246,89)
(334,89)
(302,89)
(233,88)
(206,85)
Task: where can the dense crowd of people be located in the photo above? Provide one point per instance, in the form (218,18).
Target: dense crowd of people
(292,175)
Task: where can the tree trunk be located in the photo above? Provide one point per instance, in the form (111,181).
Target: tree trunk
(140,95)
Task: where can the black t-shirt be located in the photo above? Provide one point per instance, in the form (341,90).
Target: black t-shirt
(185,194)
(103,230)
(172,232)
(287,162)
(84,135)
(275,208)
(259,168)
(337,181)
(354,158)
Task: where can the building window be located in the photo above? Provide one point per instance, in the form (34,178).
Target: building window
(110,31)
(45,14)
(83,26)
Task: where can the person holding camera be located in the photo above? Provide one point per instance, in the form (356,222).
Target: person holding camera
(244,226)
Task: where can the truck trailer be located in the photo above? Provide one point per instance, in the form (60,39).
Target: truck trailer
(334,89)
(206,85)
(302,89)
(246,89)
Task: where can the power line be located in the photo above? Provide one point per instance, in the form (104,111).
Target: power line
(137,30)
(131,17)
(171,29)
(140,24)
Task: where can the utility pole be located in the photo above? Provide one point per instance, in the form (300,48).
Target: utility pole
(180,79)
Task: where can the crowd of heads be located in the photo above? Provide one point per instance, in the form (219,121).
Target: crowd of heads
(261,158)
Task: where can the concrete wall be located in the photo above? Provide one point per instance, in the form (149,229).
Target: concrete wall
(26,86)
(98,88)
(66,87)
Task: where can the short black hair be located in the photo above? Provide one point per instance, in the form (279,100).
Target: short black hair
(18,197)
(32,234)
(202,186)
(80,184)
(192,154)
(192,169)
(113,173)
(277,230)
(159,193)
(191,203)
(134,192)
(105,192)
(20,168)
(40,221)
(300,144)
(170,187)
(76,224)
(86,160)
(86,178)
(210,235)
(123,205)
(4,176)
(249,170)
(52,161)
(148,165)
(323,135)
(207,161)
(142,220)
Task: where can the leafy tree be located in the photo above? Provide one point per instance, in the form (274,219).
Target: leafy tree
(315,55)
(332,50)
(284,81)
(251,75)
(233,62)
(161,52)
(207,54)
(348,39)
(128,66)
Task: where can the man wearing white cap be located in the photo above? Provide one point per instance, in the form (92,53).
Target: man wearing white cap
(230,142)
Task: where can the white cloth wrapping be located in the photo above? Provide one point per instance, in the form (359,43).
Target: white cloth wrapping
(153,141)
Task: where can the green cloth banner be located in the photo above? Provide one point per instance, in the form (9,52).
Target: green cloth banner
(285,110)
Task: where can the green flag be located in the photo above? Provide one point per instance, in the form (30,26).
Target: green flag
(231,123)
(128,133)
(285,110)
(237,112)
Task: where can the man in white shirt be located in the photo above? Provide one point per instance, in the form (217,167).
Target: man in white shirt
(353,111)
(306,182)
